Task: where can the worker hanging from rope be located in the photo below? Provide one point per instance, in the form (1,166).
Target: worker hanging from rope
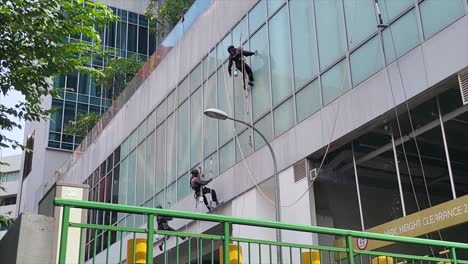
(236,55)
(198,185)
(164,225)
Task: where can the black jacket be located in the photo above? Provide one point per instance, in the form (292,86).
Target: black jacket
(163,222)
(197,182)
(237,57)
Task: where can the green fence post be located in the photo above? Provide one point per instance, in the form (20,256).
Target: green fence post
(453,255)
(64,237)
(149,240)
(349,247)
(226,241)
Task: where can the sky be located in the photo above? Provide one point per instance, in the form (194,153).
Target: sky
(9,100)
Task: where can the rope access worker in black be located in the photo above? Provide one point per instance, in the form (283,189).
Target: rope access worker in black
(164,225)
(198,185)
(237,55)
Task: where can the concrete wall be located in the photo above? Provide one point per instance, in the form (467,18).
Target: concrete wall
(29,240)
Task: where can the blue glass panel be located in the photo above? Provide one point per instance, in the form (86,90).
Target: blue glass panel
(366,60)
(437,14)
(335,82)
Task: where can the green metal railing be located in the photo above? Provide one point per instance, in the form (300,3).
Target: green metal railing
(202,248)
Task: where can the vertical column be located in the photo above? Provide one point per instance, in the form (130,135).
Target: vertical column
(357,187)
(447,155)
(398,175)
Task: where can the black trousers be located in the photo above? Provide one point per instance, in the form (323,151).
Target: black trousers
(248,70)
(206,190)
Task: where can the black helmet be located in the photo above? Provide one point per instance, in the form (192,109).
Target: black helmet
(229,48)
(195,172)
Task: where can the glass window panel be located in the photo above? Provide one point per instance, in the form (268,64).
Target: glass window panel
(240,32)
(280,55)
(335,82)
(264,126)
(437,14)
(132,17)
(210,123)
(259,64)
(366,60)
(405,28)
(171,149)
(221,49)
(171,194)
(308,100)
(240,110)
(161,112)
(183,187)
(196,77)
(142,131)
(196,147)
(227,157)
(122,35)
(150,162)
(246,145)
(183,90)
(171,102)
(183,139)
(209,64)
(56,116)
(284,117)
(360,20)
(330,32)
(132,140)
(143,40)
(160,158)
(69,113)
(391,8)
(151,121)
(303,41)
(123,182)
(210,169)
(132,38)
(257,16)
(83,84)
(273,5)
(225,103)
(159,200)
(140,174)
(72,81)
(131,178)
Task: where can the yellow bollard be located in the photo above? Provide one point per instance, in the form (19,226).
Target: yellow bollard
(234,253)
(382,260)
(140,251)
(310,257)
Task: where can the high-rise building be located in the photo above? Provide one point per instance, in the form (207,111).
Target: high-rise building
(367,118)
(9,175)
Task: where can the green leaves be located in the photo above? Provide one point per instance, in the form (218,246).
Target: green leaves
(163,18)
(82,124)
(33,49)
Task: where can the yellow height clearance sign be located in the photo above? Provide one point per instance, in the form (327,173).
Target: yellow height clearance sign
(438,217)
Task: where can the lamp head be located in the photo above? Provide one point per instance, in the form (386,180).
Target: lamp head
(216,113)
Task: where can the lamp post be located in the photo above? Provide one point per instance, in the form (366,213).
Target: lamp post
(221,115)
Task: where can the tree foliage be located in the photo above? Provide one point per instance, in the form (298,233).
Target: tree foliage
(163,18)
(82,124)
(34,49)
(118,72)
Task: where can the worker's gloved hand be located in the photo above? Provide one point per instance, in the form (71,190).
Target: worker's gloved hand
(256,52)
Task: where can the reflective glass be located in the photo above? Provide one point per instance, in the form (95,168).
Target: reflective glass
(280,56)
(361,20)
(151,121)
(209,64)
(303,41)
(225,103)
(161,112)
(142,40)
(246,145)
(366,60)
(259,64)
(392,8)
(123,181)
(140,174)
(210,123)
(132,38)
(405,28)
(183,187)
(241,112)
(221,49)
(308,100)
(131,178)
(227,156)
(335,82)
(171,102)
(183,139)
(150,162)
(240,32)
(171,194)
(160,158)
(196,77)
(257,16)
(284,117)
(211,168)
(183,90)
(437,14)
(330,32)
(196,147)
(273,5)
(171,149)
(264,126)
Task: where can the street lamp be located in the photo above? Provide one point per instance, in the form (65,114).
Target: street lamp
(221,115)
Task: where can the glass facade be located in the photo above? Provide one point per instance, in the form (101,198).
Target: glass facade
(128,36)
(296,74)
